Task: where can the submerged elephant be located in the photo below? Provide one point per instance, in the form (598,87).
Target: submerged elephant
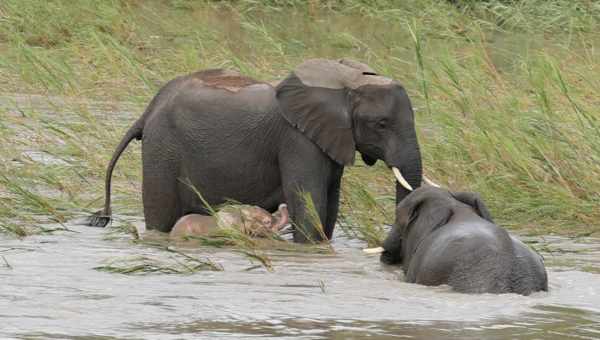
(251,220)
(233,137)
(442,237)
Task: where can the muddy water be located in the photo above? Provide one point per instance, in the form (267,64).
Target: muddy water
(50,290)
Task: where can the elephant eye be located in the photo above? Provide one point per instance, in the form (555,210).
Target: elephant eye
(382,124)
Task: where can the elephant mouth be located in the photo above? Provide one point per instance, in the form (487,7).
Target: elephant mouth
(370,161)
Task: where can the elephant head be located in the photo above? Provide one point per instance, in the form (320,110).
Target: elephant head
(344,106)
(423,211)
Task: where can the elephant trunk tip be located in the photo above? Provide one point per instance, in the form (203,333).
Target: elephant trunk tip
(283,218)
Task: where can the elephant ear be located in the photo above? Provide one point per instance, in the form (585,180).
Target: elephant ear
(474,200)
(406,213)
(315,98)
(410,215)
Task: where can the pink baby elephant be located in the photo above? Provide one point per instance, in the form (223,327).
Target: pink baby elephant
(251,220)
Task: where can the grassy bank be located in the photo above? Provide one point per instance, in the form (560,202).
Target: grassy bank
(506,95)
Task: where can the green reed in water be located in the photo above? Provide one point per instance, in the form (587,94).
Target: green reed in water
(142,265)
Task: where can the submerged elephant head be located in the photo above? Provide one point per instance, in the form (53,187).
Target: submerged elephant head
(444,237)
(423,211)
(344,106)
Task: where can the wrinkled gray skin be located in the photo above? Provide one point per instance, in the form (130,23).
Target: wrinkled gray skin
(449,238)
(236,138)
(251,220)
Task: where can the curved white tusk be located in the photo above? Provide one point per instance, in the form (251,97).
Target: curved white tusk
(377,250)
(429,182)
(401,179)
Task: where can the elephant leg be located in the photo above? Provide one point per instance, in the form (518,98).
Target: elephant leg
(160,192)
(300,184)
(161,203)
(304,220)
(333,200)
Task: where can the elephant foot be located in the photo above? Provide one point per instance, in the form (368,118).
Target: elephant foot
(98,219)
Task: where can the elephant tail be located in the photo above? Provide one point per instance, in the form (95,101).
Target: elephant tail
(102,218)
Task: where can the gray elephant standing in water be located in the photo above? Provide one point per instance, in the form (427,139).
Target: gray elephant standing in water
(233,137)
(251,220)
(442,237)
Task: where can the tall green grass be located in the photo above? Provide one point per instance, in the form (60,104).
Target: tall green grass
(505,93)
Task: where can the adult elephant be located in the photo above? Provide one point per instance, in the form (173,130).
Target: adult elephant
(234,137)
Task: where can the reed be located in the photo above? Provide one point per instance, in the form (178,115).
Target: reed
(179,263)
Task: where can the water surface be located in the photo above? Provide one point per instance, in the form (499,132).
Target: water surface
(50,290)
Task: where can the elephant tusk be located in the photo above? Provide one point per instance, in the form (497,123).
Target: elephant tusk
(377,250)
(401,179)
(429,182)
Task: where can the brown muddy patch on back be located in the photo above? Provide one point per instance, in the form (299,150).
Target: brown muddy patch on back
(228,80)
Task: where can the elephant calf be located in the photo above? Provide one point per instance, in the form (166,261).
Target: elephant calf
(449,238)
(251,220)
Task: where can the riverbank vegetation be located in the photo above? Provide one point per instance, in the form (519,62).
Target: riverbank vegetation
(505,93)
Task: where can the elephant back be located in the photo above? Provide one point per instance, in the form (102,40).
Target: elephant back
(224,79)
